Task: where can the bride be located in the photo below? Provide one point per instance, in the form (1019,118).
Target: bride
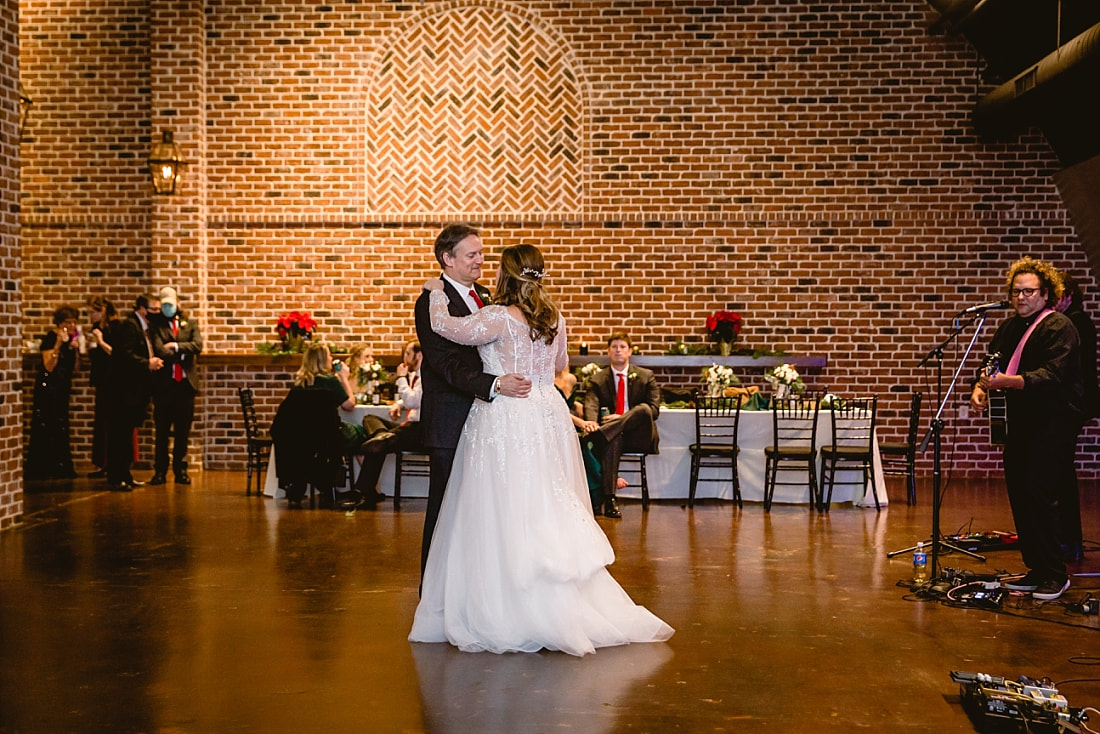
(517,562)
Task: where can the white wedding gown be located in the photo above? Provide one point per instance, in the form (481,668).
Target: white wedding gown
(517,562)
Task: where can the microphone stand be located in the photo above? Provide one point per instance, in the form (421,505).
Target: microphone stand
(934,432)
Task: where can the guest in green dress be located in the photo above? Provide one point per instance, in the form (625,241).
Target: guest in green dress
(566,383)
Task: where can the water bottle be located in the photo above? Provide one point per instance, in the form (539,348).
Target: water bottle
(920,564)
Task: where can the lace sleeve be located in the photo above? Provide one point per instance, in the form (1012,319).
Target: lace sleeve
(485,326)
(561,359)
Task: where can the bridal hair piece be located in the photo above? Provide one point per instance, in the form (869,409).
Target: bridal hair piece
(532,273)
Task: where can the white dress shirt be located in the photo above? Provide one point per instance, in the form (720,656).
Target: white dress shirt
(409,392)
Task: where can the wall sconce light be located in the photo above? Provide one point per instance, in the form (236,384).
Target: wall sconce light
(24,108)
(166,164)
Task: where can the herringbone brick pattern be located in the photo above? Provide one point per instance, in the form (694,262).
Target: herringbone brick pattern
(489,101)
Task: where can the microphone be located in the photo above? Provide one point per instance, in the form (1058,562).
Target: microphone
(982,308)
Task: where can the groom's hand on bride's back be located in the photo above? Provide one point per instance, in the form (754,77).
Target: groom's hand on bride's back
(514,385)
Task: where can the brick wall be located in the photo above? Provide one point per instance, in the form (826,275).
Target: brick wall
(809,165)
(11,443)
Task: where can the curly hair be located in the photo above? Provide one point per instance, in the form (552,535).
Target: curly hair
(315,362)
(520,284)
(63,314)
(1050,280)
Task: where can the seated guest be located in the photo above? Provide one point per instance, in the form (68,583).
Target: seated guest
(398,435)
(359,358)
(566,384)
(625,401)
(310,438)
(49,455)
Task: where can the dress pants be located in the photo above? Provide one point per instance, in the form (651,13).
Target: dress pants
(127,412)
(407,437)
(632,432)
(1035,463)
(441,461)
(173,413)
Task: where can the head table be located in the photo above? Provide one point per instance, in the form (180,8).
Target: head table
(669,471)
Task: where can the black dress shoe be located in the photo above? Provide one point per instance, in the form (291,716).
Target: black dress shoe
(611,508)
(183,478)
(158,479)
(98,474)
(121,486)
(348,500)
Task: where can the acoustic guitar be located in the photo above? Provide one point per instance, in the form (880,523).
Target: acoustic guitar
(997,407)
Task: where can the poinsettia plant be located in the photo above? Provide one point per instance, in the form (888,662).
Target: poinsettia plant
(724,325)
(295,323)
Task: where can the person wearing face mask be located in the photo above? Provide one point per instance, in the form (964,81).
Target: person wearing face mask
(130,383)
(177,341)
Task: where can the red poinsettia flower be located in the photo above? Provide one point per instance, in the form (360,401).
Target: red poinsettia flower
(724,325)
(295,323)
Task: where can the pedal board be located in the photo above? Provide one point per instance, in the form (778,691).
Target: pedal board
(992,540)
(984,598)
(996,704)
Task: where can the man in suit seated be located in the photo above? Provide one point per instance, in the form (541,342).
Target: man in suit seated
(625,401)
(399,435)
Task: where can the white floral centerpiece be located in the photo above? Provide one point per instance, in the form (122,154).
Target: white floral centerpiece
(718,378)
(784,380)
(584,374)
(370,375)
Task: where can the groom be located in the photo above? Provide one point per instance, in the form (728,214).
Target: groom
(452,374)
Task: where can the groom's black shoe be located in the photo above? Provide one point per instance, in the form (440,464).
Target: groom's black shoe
(611,508)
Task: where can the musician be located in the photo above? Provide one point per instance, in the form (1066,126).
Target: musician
(1040,376)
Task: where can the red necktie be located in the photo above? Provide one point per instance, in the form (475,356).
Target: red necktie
(177,368)
(620,396)
(477,299)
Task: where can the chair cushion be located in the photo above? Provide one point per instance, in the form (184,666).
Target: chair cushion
(793,453)
(850,453)
(713,449)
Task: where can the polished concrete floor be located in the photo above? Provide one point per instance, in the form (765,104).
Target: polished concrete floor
(198,609)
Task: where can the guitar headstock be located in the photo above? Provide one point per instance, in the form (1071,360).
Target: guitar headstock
(991,365)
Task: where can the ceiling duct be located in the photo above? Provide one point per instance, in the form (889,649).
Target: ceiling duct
(1062,83)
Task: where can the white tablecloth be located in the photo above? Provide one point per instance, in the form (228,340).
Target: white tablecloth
(669,472)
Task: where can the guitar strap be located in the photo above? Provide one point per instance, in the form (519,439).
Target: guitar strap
(1014,362)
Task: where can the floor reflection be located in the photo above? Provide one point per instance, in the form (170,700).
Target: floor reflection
(485,692)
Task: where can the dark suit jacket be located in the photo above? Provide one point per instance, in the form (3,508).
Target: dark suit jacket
(641,389)
(131,381)
(190,343)
(452,374)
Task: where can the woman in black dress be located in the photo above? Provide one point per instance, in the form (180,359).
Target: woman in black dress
(50,454)
(103,315)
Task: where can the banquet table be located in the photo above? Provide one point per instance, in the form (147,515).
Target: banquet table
(669,472)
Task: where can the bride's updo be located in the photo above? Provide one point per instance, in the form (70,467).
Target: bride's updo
(520,284)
